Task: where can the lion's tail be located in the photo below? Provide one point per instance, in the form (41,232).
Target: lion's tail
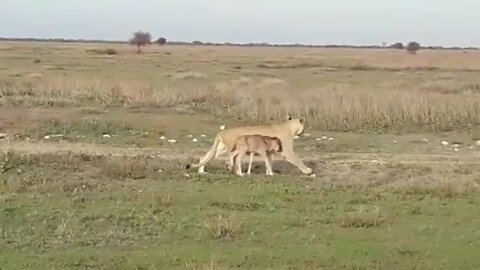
(209,155)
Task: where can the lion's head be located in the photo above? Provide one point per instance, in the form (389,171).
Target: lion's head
(296,125)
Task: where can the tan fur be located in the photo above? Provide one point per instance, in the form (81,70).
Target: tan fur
(264,146)
(225,140)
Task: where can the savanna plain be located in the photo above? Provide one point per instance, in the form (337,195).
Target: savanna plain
(90,177)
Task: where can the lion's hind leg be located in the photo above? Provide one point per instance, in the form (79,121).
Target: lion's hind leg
(219,151)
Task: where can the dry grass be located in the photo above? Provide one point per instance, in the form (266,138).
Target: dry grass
(336,89)
(362,218)
(220,228)
(107,51)
(330,107)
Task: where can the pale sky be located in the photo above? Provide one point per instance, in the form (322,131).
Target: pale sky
(356,22)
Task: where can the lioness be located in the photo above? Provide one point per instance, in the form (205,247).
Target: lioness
(264,146)
(286,132)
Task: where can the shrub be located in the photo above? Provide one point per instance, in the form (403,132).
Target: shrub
(161,41)
(413,47)
(397,45)
(108,51)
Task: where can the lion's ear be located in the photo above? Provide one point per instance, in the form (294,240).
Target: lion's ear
(289,117)
(301,121)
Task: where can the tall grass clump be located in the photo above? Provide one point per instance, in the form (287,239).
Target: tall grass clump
(329,107)
(346,109)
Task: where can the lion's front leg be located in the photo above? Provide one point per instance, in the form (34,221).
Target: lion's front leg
(290,156)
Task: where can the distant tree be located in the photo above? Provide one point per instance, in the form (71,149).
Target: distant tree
(397,45)
(413,47)
(197,42)
(161,41)
(140,39)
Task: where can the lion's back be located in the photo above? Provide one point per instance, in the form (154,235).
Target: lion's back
(229,136)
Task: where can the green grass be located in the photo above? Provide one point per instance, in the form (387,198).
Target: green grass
(79,211)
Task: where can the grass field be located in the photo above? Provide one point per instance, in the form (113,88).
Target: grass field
(86,182)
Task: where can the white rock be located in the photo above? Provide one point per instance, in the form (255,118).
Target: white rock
(331,139)
(395,141)
(162,137)
(425,140)
(145,133)
(190,136)
(3,135)
(444,143)
(222,127)
(455,145)
(194,140)
(172,141)
(48,137)
(203,135)
(318,139)
(160,170)
(106,136)
(296,137)
(307,134)
(455,149)
(313,175)
(471,147)
(478,143)
(324,137)
(187,175)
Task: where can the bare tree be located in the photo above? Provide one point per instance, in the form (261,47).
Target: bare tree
(161,41)
(140,39)
(413,47)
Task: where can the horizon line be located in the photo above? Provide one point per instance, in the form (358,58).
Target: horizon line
(227,43)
